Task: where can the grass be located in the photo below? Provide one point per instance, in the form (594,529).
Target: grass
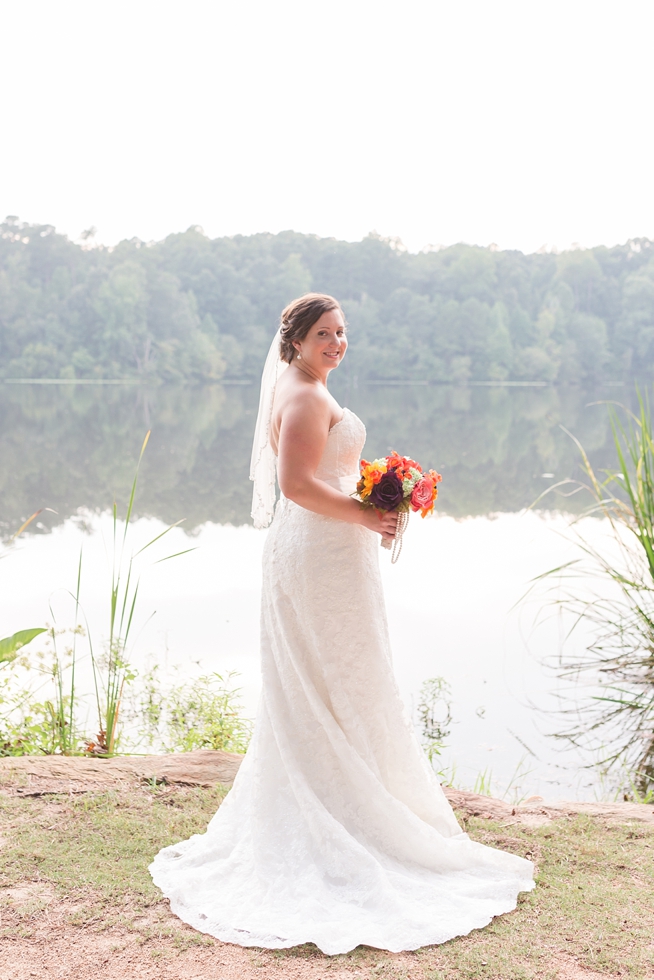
(594,904)
(98,842)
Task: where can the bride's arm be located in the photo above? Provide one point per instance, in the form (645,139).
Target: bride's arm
(303,434)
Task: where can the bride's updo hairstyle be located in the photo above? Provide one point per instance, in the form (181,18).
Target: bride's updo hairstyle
(298,318)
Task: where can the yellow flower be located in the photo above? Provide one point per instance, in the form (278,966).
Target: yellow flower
(373,472)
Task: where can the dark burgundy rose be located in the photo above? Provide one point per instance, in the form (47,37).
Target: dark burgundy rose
(388,493)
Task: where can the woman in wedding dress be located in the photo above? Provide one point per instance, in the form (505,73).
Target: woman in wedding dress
(336,830)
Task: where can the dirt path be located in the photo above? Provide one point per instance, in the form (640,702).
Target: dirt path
(57,950)
(46,936)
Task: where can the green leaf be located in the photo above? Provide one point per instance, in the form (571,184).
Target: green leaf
(10,646)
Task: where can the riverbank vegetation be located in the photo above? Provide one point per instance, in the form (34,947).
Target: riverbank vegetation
(74,888)
(199,309)
(44,712)
(610,589)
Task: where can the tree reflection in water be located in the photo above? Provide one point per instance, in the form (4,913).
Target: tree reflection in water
(72,448)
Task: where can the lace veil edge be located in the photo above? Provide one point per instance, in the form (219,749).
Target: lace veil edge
(263,469)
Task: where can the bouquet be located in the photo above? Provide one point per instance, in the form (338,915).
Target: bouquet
(397,483)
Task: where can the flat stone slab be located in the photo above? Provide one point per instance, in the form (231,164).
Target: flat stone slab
(41,775)
(58,773)
(535,811)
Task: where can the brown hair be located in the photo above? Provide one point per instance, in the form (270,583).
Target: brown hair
(298,318)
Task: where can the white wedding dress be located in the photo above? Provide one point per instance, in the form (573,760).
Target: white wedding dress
(336,831)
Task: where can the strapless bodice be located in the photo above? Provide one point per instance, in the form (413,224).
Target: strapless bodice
(339,465)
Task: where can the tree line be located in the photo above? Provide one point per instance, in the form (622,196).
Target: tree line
(196,309)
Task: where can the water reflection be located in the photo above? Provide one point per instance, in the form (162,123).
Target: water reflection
(72,447)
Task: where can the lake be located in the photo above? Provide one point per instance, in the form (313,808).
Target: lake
(451,597)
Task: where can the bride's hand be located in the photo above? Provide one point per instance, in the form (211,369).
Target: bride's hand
(384,524)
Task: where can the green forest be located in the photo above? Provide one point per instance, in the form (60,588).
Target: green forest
(196,309)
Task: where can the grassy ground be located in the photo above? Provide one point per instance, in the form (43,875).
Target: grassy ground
(77,866)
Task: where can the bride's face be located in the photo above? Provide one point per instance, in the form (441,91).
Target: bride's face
(325,344)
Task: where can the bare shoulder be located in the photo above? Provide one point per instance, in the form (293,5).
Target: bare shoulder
(303,410)
(298,399)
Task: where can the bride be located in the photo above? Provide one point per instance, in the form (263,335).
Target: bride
(336,831)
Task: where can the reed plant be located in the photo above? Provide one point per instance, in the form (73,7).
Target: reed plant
(63,711)
(113,671)
(30,723)
(616,719)
(483,783)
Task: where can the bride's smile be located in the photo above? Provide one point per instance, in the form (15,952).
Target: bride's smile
(323,347)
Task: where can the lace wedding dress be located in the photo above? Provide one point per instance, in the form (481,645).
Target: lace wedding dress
(336,831)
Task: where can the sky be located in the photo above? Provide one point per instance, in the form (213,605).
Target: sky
(524,123)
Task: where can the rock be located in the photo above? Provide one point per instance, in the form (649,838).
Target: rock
(41,775)
(57,773)
(534,813)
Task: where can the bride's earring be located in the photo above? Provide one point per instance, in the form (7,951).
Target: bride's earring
(299,357)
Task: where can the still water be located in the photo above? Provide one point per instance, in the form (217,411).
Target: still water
(451,598)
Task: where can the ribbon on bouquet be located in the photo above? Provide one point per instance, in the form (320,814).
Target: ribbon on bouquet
(395,546)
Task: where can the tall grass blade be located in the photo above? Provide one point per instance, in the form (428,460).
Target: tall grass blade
(26,524)
(159,536)
(619,720)
(132,495)
(176,555)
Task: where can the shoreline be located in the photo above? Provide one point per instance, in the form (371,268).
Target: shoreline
(50,775)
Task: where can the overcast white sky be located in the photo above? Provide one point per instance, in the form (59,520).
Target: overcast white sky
(519,122)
